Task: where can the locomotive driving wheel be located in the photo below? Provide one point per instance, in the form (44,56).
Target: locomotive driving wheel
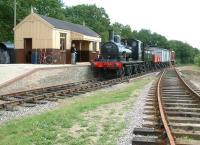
(129,71)
(120,72)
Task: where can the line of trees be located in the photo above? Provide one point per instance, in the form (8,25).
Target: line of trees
(92,16)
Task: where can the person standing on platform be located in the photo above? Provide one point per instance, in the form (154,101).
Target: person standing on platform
(73,54)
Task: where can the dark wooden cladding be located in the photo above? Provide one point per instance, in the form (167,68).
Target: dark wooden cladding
(19,54)
(63,57)
(68,56)
(83,56)
(86,56)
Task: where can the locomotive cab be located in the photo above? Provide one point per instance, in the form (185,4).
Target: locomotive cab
(136,47)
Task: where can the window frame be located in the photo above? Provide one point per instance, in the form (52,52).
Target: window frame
(63,41)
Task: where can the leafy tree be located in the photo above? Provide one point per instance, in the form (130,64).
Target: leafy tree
(145,36)
(51,8)
(90,15)
(197,60)
(159,40)
(184,52)
(134,34)
(6,20)
(123,31)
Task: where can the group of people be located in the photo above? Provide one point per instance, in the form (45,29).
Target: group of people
(73,54)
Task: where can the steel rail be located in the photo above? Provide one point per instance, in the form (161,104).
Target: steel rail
(165,108)
(162,112)
(187,86)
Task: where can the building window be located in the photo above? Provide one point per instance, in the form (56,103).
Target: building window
(94,46)
(62,41)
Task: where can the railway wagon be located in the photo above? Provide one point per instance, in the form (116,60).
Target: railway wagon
(160,54)
(172,56)
(128,56)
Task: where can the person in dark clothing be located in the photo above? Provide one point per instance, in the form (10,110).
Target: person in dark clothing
(73,54)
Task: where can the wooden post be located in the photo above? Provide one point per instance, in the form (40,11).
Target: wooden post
(80,51)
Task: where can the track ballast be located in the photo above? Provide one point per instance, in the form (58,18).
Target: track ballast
(172,113)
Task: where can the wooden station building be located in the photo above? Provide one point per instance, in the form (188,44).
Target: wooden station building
(39,36)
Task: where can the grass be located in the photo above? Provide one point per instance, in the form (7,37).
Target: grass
(51,127)
(190,67)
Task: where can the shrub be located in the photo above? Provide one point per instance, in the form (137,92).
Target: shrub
(197,60)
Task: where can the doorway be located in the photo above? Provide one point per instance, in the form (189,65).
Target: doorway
(82,50)
(28,49)
(78,49)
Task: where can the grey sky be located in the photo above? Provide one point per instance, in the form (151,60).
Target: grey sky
(175,19)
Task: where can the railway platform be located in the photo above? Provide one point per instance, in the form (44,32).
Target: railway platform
(21,77)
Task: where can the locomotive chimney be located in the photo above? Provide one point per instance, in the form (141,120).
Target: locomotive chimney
(111,35)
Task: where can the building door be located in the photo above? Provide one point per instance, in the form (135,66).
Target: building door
(78,49)
(28,49)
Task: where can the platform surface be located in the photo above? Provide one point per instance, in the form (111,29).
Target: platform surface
(11,71)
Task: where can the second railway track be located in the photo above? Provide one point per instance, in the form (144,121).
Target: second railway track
(172,113)
(37,96)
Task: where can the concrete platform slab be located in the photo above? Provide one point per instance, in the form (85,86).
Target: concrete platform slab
(18,77)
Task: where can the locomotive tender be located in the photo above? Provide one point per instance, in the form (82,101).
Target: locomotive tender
(129,56)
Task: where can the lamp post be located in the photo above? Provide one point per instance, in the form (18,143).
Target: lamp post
(14,13)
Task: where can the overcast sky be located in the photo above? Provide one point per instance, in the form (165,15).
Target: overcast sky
(175,19)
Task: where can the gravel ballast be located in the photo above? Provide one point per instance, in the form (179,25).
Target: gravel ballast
(6,116)
(134,118)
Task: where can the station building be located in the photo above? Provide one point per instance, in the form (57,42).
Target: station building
(37,34)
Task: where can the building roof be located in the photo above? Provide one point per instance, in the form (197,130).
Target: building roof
(70,26)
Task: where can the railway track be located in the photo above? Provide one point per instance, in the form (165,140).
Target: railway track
(172,113)
(197,90)
(38,96)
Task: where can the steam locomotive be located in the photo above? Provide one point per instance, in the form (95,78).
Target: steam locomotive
(129,56)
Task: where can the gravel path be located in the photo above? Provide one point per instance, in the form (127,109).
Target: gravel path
(134,118)
(5,116)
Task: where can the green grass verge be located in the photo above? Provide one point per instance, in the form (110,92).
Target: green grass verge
(189,66)
(46,128)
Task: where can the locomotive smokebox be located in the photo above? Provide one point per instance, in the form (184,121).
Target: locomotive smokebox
(111,35)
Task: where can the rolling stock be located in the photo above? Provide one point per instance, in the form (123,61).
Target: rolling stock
(129,56)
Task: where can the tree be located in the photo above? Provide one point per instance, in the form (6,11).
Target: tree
(6,20)
(123,31)
(93,17)
(159,40)
(51,8)
(197,60)
(184,52)
(117,28)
